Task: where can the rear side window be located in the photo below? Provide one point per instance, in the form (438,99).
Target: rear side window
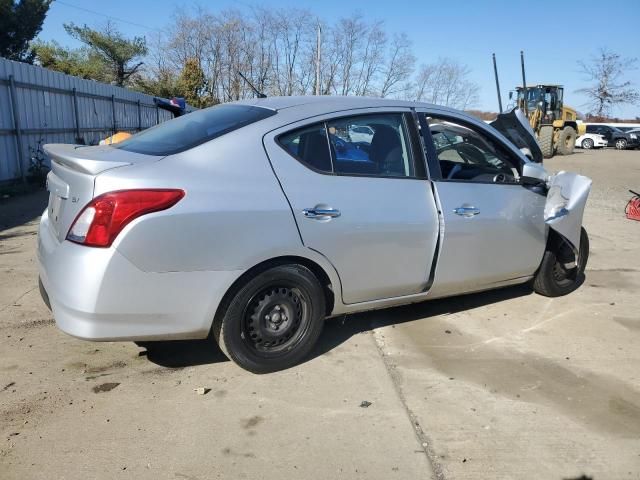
(370,145)
(310,146)
(190,130)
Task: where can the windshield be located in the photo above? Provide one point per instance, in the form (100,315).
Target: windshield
(186,132)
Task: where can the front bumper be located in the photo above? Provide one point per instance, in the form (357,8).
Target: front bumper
(98,294)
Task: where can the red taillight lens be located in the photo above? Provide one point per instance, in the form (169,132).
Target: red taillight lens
(100,222)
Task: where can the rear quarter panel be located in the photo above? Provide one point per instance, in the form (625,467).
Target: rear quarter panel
(233,216)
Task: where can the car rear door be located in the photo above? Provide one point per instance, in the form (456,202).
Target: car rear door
(494,230)
(365,205)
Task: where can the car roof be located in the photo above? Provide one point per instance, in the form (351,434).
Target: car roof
(333,103)
(297,108)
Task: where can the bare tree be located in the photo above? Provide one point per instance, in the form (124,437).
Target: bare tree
(372,59)
(292,34)
(399,66)
(446,82)
(276,50)
(606,70)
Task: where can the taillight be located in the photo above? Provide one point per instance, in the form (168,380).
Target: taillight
(100,222)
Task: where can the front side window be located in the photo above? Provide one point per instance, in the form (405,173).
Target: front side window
(193,129)
(465,154)
(370,145)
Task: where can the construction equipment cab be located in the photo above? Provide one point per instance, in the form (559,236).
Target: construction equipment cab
(554,123)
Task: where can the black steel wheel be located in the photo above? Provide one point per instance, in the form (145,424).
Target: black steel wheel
(273,320)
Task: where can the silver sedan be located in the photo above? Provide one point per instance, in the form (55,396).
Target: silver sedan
(252,222)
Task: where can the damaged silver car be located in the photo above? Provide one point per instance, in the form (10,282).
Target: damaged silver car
(252,222)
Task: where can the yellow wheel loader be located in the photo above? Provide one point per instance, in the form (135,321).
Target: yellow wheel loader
(554,123)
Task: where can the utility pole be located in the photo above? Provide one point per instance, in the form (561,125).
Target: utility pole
(318,59)
(495,72)
(525,106)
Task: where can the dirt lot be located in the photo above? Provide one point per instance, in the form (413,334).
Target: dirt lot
(504,385)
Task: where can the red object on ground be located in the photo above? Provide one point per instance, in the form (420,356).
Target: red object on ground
(633,207)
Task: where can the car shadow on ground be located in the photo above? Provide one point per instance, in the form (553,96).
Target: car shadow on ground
(20,210)
(339,329)
(182,353)
(185,353)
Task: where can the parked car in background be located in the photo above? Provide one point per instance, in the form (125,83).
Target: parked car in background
(615,137)
(626,128)
(252,222)
(591,140)
(360,133)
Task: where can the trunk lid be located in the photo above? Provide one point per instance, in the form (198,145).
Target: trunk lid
(71,180)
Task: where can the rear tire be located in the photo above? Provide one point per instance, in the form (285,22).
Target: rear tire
(566,141)
(553,279)
(545,138)
(587,144)
(273,321)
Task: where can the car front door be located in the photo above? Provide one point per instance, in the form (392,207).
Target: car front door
(494,230)
(366,205)
(607,133)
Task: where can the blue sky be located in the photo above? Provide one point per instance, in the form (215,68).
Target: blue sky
(553,34)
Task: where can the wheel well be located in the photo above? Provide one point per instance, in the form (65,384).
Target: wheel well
(555,241)
(316,269)
(573,125)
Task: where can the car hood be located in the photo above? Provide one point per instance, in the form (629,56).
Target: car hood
(515,126)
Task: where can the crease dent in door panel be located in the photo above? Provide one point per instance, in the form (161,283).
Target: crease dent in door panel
(564,208)
(439,240)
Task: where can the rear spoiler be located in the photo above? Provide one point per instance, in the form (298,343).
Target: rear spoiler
(75,158)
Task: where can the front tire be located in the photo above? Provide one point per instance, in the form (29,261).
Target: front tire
(554,278)
(545,138)
(566,141)
(587,144)
(621,144)
(273,321)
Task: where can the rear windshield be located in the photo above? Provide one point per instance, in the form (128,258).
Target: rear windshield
(186,132)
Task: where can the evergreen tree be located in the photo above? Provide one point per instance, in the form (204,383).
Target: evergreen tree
(20,22)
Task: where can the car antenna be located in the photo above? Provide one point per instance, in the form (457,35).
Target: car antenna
(258,93)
